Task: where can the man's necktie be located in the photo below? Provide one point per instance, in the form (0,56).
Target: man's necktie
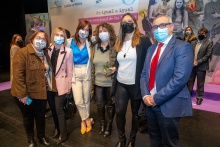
(153,67)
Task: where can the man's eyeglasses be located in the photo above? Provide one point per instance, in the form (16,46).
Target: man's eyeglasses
(161,26)
(39,38)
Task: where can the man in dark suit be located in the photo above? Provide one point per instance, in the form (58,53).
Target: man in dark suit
(202,49)
(167,68)
(35,24)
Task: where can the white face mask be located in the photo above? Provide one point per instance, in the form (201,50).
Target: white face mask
(188,32)
(39,44)
(104,36)
(83,34)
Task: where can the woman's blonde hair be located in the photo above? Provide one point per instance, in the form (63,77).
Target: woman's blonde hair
(121,34)
(58,29)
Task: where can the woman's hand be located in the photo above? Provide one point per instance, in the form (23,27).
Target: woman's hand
(23,100)
(112,69)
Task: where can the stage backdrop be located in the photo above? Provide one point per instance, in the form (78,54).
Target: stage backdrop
(195,13)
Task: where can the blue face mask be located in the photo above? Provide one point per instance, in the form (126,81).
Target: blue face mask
(161,34)
(39,44)
(42,28)
(104,36)
(58,40)
(93,39)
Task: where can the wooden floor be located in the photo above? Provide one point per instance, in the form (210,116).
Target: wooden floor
(200,130)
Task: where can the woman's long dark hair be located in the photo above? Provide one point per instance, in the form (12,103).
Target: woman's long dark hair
(182,9)
(81,25)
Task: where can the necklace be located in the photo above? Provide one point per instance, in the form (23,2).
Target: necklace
(126,50)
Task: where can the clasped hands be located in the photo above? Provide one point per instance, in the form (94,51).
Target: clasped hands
(149,100)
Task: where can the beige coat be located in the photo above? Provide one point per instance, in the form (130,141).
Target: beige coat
(13,50)
(29,74)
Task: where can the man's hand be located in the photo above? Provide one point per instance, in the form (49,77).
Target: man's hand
(149,101)
(195,63)
(152,101)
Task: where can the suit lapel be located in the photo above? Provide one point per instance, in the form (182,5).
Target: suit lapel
(203,45)
(60,59)
(169,46)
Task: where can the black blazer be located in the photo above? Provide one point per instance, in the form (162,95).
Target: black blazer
(204,54)
(141,50)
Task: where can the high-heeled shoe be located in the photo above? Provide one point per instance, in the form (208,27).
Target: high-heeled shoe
(83,127)
(89,123)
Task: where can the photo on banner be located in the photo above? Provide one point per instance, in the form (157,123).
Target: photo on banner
(43,16)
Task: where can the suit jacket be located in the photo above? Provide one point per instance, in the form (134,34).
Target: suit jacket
(172,73)
(29,74)
(27,37)
(64,69)
(204,54)
(141,50)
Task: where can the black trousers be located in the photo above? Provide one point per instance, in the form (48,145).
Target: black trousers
(163,131)
(122,96)
(200,82)
(56,103)
(103,96)
(35,111)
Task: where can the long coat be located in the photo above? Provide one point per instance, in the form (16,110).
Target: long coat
(29,74)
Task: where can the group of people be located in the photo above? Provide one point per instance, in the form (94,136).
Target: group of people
(202,49)
(154,74)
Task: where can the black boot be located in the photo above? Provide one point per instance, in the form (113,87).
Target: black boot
(131,144)
(31,143)
(122,139)
(110,117)
(121,144)
(101,113)
(44,141)
(133,133)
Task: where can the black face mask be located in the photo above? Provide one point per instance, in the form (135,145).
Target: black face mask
(127,27)
(20,43)
(201,37)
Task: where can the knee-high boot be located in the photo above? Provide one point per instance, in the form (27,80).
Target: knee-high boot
(110,117)
(101,113)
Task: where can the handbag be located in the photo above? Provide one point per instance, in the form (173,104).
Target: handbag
(69,107)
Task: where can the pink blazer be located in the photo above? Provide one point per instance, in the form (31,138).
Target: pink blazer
(64,69)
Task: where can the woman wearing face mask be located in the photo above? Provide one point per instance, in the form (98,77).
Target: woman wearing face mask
(62,63)
(16,44)
(188,35)
(132,49)
(102,53)
(81,80)
(32,78)
(179,17)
